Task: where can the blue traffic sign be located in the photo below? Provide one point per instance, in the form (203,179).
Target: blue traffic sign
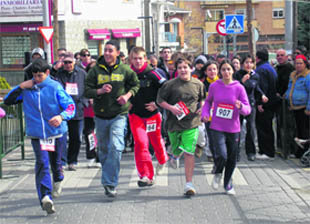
(234,24)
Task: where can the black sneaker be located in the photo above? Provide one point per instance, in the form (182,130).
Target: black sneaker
(110,191)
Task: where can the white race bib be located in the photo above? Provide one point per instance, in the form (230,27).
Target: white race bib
(224,111)
(92,141)
(48,144)
(72,88)
(150,126)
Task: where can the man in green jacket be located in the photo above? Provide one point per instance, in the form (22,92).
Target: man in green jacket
(111,83)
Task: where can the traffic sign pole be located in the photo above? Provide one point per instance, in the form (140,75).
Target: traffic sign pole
(47,23)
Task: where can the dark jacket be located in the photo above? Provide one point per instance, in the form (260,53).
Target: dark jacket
(284,71)
(123,80)
(251,85)
(150,82)
(77,76)
(267,83)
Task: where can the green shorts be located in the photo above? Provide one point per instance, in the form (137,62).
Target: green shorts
(183,141)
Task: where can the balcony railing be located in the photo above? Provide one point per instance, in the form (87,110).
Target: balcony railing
(170,37)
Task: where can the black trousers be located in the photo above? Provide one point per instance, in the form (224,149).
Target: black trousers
(75,139)
(250,132)
(265,134)
(302,128)
(89,128)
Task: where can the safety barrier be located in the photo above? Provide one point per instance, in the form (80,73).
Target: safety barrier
(11,132)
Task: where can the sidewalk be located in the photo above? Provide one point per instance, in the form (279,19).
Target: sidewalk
(267,192)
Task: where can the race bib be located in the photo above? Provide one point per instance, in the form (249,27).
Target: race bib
(225,111)
(72,88)
(150,126)
(183,107)
(48,144)
(92,141)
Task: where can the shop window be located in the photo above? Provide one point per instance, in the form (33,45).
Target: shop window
(93,47)
(277,13)
(13,49)
(214,15)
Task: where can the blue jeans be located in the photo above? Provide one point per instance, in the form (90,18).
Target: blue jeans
(43,159)
(111,143)
(225,153)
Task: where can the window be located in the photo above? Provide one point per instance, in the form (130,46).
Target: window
(243,12)
(13,50)
(93,47)
(214,15)
(277,13)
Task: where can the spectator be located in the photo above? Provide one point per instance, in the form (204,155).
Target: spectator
(47,107)
(77,56)
(111,84)
(220,58)
(199,62)
(236,61)
(153,61)
(35,54)
(298,95)
(266,110)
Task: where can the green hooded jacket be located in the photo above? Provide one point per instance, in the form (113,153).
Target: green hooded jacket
(122,79)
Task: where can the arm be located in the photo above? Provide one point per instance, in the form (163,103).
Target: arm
(132,84)
(205,114)
(15,95)
(67,104)
(243,103)
(307,111)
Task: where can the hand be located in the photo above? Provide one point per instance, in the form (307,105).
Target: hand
(264,99)
(260,108)
(245,78)
(205,119)
(58,65)
(307,112)
(27,84)
(175,110)
(106,88)
(122,100)
(238,104)
(150,106)
(55,121)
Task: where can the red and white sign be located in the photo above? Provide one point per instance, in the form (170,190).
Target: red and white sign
(47,32)
(220,27)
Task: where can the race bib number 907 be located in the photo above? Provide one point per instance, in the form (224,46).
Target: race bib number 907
(224,111)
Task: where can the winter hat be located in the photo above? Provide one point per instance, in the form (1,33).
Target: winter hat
(201,59)
(39,51)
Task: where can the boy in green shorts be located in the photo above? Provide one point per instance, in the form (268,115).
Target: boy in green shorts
(183,97)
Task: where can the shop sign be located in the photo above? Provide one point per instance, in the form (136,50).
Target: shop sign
(20,7)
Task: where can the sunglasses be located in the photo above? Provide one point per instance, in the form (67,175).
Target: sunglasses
(67,62)
(84,55)
(61,55)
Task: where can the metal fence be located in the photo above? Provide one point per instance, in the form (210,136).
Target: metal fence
(11,131)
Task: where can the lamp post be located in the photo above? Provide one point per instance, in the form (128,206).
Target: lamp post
(153,36)
(203,36)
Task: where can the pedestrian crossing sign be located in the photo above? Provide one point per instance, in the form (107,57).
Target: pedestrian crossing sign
(234,24)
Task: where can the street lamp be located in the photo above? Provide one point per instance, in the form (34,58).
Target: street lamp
(203,36)
(153,37)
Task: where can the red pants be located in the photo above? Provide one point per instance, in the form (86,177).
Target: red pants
(141,136)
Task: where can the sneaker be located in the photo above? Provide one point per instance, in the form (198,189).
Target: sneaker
(216,181)
(189,189)
(174,162)
(251,157)
(110,191)
(71,167)
(48,205)
(230,189)
(57,188)
(91,163)
(145,182)
(160,168)
(264,157)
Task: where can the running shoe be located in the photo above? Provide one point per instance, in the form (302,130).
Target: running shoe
(216,181)
(48,205)
(174,162)
(230,189)
(160,168)
(189,189)
(145,182)
(57,188)
(110,191)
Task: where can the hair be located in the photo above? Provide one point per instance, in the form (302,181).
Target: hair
(220,56)
(84,51)
(225,61)
(62,49)
(76,54)
(39,65)
(115,43)
(211,62)
(121,54)
(263,54)
(246,57)
(236,57)
(181,60)
(137,50)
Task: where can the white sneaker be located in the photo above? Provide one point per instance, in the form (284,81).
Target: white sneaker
(264,157)
(48,205)
(174,162)
(230,190)
(216,181)
(160,168)
(57,188)
(145,182)
(91,162)
(189,189)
